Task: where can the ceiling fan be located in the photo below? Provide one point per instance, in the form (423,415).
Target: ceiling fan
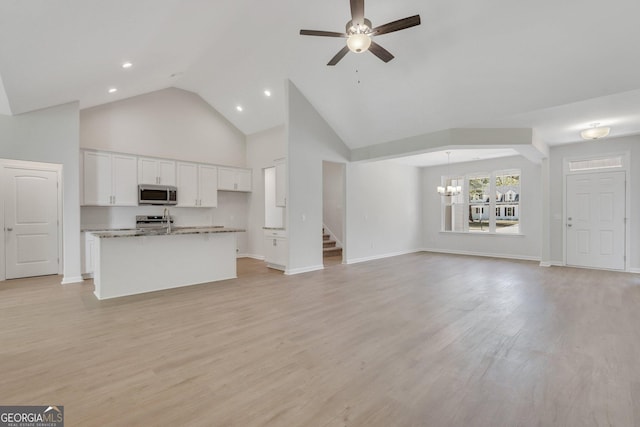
(359,32)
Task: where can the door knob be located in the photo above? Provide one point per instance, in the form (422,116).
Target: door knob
(9,229)
(568,225)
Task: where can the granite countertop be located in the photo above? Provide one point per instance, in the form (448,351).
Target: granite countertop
(162,232)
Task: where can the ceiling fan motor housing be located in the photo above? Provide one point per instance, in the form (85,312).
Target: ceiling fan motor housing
(364,28)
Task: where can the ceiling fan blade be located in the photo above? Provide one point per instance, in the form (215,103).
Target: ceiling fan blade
(400,24)
(339,56)
(357,12)
(321,33)
(380,52)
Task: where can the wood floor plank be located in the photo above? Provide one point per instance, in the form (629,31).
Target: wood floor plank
(416,340)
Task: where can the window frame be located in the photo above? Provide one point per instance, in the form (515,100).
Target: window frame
(492,206)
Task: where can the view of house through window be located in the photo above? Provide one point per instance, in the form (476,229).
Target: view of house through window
(479,200)
(508,203)
(475,211)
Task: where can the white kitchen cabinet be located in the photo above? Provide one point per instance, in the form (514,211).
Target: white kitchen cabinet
(156,171)
(208,186)
(88,262)
(276,249)
(234,179)
(281,182)
(109,179)
(197,185)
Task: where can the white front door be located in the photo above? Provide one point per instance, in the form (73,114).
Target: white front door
(595,220)
(31,222)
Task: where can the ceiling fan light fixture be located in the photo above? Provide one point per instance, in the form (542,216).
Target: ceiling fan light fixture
(595,132)
(359,42)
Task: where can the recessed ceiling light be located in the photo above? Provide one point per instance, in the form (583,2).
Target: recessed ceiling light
(239,108)
(113,89)
(127,65)
(267,92)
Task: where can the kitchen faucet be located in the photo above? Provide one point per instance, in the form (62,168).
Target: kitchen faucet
(167,217)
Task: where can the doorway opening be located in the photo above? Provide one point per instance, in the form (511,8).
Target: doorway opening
(333,213)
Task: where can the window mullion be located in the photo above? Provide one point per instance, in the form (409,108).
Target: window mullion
(492,202)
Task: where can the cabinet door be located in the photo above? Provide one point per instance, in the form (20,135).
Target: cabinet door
(226,179)
(125,180)
(243,180)
(167,172)
(88,242)
(187,184)
(147,171)
(281,183)
(208,186)
(269,250)
(281,253)
(97,178)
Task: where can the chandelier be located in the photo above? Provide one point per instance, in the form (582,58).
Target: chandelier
(449,190)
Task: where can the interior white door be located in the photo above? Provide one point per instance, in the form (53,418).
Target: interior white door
(31,222)
(595,220)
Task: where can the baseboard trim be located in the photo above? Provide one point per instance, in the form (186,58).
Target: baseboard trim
(73,279)
(253,256)
(483,254)
(634,270)
(375,257)
(292,271)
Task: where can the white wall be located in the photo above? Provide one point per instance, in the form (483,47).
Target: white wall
(262,149)
(333,198)
(170,123)
(384,210)
(310,141)
(51,135)
(606,146)
(526,246)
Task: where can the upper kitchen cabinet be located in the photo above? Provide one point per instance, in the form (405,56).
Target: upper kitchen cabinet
(109,179)
(156,171)
(197,185)
(281,182)
(234,179)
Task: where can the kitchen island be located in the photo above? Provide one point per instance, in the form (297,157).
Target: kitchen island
(129,262)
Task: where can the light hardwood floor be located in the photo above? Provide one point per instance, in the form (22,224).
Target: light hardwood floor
(415,340)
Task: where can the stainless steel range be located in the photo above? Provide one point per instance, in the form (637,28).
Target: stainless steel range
(153,222)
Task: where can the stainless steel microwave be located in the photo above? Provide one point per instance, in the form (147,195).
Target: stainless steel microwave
(149,194)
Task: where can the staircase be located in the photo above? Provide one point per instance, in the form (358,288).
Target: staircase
(329,247)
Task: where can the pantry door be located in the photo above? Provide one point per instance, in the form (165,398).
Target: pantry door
(31,222)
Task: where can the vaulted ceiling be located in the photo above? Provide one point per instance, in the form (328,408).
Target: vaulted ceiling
(552,65)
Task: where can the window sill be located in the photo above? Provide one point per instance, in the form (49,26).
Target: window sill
(483,233)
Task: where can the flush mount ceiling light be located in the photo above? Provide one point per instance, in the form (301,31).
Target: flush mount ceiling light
(595,132)
(267,92)
(113,90)
(449,190)
(127,65)
(239,108)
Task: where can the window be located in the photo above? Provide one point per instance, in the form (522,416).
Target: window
(479,201)
(484,214)
(509,185)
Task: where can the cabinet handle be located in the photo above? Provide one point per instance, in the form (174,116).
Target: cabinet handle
(114,200)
